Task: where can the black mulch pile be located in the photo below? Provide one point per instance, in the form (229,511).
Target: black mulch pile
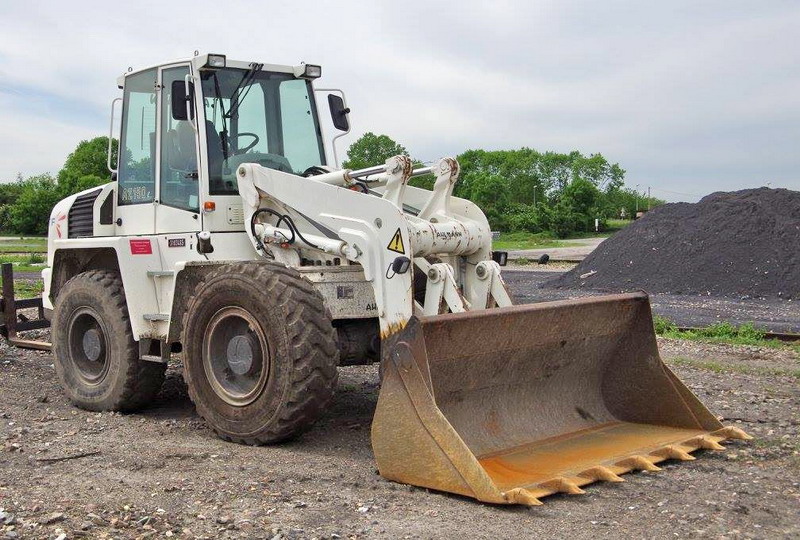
(738,244)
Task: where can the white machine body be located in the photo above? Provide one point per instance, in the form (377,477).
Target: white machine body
(359,236)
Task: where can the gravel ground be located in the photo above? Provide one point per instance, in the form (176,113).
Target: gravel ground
(162,473)
(528,284)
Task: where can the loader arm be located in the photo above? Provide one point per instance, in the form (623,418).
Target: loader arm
(375,232)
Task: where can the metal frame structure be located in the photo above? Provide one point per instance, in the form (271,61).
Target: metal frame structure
(12,322)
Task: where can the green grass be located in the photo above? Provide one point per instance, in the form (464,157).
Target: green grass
(17,244)
(723,332)
(612,226)
(514,241)
(717,367)
(32,262)
(28,288)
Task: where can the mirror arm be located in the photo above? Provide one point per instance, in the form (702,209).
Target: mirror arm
(112,170)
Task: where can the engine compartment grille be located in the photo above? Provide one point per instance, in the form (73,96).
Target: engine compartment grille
(81,218)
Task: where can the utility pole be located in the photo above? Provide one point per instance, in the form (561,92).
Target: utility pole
(637,200)
(648,198)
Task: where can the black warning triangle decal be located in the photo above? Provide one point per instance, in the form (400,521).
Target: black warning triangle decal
(396,244)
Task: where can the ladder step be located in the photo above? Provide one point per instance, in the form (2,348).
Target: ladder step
(160,273)
(156,316)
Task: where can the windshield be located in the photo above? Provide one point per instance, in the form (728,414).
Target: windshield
(255,116)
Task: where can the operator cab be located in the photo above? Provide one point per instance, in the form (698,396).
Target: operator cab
(188,125)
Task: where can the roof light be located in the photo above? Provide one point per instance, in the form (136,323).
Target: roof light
(215,61)
(313,72)
(308,71)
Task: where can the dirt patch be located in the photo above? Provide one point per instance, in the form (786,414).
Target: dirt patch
(740,244)
(162,473)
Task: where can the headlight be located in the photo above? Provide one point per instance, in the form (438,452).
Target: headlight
(215,61)
(308,71)
(313,72)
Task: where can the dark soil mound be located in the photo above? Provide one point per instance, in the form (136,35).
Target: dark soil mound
(739,244)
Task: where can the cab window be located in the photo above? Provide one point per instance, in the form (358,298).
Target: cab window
(137,174)
(179,175)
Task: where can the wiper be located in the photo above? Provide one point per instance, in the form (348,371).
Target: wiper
(224,135)
(244,86)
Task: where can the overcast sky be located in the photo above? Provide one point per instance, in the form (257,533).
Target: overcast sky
(688,97)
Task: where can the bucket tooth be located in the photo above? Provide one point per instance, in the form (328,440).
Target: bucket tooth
(673,452)
(521,496)
(733,432)
(705,442)
(601,473)
(640,463)
(563,485)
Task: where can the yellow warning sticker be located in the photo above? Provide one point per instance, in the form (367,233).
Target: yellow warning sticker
(396,244)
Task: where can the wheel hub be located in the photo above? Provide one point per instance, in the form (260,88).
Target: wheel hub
(91,344)
(240,355)
(235,356)
(88,345)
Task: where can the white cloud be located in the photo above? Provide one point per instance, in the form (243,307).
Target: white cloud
(690,97)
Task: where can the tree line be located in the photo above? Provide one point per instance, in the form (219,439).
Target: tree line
(25,204)
(527,190)
(518,190)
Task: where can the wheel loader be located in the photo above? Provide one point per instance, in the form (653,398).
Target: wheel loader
(229,235)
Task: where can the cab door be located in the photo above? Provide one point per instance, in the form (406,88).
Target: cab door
(136,175)
(177,208)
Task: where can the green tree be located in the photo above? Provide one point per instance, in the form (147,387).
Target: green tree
(371,149)
(582,196)
(89,159)
(31,211)
(492,195)
(9,193)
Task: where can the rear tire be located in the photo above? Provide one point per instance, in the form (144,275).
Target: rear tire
(96,357)
(260,352)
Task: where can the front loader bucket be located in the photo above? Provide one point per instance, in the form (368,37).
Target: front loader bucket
(512,404)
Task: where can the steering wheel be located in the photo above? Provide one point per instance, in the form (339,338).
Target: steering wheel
(250,146)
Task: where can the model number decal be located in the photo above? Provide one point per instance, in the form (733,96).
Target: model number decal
(141,247)
(176,242)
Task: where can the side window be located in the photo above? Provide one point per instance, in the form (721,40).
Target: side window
(301,140)
(137,173)
(179,178)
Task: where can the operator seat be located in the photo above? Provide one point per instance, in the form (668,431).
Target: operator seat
(186,146)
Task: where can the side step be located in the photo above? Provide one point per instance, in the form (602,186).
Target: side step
(156,316)
(12,322)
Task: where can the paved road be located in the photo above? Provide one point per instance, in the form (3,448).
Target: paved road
(577,250)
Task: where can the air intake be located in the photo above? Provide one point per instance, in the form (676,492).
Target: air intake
(81,215)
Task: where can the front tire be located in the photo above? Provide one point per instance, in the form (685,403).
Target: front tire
(96,358)
(260,352)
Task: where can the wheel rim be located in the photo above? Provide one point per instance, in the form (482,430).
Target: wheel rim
(235,356)
(88,345)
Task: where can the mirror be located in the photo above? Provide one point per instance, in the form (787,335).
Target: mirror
(180,99)
(338,112)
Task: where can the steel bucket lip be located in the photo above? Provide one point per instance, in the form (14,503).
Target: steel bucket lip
(631,297)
